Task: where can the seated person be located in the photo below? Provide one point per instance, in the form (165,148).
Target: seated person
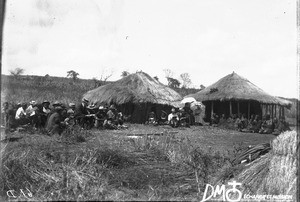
(173,118)
(55,123)
(45,112)
(242,123)
(32,114)
(152,118)
(111,118)
(21,117)
(214,120)
(256,124)
(100,117)
(222,120)
(163,118)
(82,116)
(267,125)
(183,118)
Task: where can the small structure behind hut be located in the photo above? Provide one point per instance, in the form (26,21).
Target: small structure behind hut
(234,94)
(136,95)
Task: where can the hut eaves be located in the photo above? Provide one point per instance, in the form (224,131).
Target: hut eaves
(235,87)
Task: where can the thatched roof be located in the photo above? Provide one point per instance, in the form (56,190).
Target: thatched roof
(276,172)
(134,88)
(235,87)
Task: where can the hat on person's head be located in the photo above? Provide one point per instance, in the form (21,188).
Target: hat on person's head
(56,103)
(32,102)
(71,104)
(101,107)
(112,106)
(85,100)
(173,110)
(58,108)
(45,101)
(19,104)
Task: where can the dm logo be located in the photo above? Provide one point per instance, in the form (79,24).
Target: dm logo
(227,195)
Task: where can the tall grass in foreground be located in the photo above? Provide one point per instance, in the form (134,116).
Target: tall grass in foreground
(73,167)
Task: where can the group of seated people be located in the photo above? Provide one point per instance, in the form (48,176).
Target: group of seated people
(55,119)
(255,124)
(184,117)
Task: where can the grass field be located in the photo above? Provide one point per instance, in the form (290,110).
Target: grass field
(139,163)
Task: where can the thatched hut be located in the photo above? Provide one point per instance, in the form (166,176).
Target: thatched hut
(136,95)
(234,94)
(275,173)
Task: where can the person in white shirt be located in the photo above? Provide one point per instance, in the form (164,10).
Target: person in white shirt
(30,109)
(173,118)
(21,117)
(20,112)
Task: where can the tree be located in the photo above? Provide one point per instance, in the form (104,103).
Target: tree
(105,75)
(17,72)
(72,74)
(186,81)
(168,73)
(125,73)
(173,83)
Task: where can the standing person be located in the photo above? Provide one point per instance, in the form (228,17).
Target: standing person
(55,124)
(173,118)
(9,116)
(82,115)
(197,115)
(188,113)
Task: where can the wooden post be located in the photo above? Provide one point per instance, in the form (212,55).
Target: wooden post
(272,113)
(238,107)
(267,106)
(279,112)
(275,111)
(212,108)
(248,110)
(230,108)
(283,116)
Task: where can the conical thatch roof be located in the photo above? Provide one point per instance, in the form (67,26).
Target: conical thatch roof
(134,88)
(235,87)
(274,173)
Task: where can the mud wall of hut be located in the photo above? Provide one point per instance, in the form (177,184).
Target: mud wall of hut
(139,112)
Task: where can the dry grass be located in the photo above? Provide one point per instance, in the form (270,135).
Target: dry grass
(108,165)
(276,172)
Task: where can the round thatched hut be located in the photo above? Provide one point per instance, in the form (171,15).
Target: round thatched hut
(234,94)
(136,95)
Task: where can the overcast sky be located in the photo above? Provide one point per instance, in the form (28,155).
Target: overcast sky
(208,39)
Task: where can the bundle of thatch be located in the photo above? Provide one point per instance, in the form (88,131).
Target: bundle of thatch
(134,88)
(235,87)
(274,173)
